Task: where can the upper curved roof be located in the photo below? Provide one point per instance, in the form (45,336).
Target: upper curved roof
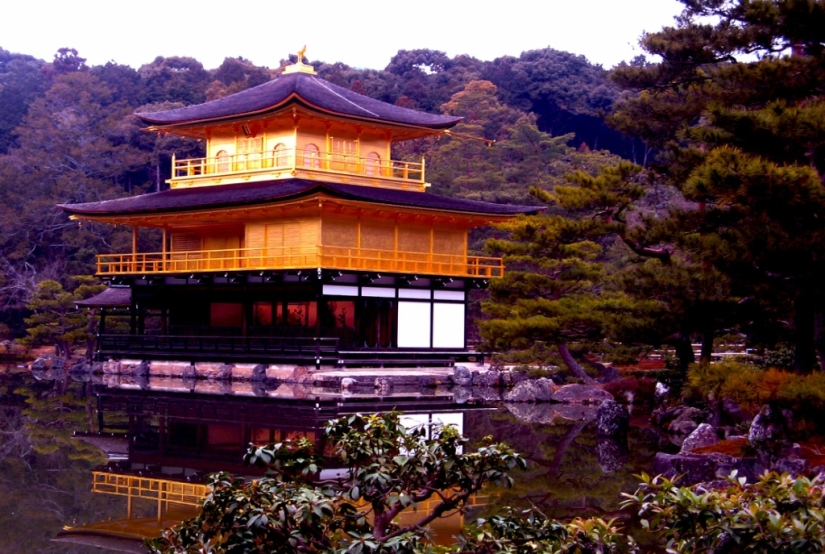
(249,194)
(306,89)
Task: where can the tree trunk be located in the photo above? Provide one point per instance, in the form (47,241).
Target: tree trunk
(684,351)
(707,347)
(572,364)
(804,316)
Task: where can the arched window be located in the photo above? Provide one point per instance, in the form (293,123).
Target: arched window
(372,165)
(311,156)
(223,161)
(280,155)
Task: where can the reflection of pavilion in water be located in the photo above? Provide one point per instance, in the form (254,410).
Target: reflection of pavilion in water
(169,442)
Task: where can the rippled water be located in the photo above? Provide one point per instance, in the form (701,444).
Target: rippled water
(61,478)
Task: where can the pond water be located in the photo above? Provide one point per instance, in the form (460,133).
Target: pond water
(91,466)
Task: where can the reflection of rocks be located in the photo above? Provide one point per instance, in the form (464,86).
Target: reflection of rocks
(299,391)
(462,376)
(548,413)
(532,413)
(142,381)
(535,390)
(259,388)
(581,394)
(40,365)
(80,368)
(704,435)
(575,412)
(462,394)
(488,394)
(39,374)
(188,382)
(612,419)
(612,453)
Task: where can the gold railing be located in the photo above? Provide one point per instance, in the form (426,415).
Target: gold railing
(289,159)
(300,257)
(148,487)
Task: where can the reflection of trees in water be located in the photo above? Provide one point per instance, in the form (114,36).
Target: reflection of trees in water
(571,471)
(44,473)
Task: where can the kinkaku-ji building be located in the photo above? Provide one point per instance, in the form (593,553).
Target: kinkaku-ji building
(297,239)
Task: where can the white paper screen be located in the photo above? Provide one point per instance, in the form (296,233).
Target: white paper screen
(448,325)
(413,324)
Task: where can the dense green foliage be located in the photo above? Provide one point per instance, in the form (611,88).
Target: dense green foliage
(735,109)
(777,514)
(56,320)
(388,468)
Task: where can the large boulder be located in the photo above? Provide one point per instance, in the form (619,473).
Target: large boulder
(686,422)
(535,390)
(259,373)
(491,379)
(769,430)
(703,435)
(580,394)
(462,376)
(141,370)
(224,372)
(612,419)
(693,468)
(40,364)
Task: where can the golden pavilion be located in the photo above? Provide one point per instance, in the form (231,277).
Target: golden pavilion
(297,238)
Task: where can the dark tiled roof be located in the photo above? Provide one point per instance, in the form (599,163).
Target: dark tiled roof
(112,296)
(303,88)
(190,199)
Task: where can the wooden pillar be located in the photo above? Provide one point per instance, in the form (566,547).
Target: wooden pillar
(134,247)
(163,249)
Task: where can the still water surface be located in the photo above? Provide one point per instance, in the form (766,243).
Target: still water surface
(100,463)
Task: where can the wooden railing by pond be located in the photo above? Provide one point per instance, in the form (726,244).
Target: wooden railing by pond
(300,257)
(290,159)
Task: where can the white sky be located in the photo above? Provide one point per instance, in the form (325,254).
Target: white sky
(364,33)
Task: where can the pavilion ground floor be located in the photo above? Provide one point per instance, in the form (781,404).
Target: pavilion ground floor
(297,317)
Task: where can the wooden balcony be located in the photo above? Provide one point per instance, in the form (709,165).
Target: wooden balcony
(267,165)
(299,257)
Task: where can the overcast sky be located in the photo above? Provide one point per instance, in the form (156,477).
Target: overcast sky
(606,32)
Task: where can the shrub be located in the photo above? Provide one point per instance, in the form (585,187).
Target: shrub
(777,514)
(752,387)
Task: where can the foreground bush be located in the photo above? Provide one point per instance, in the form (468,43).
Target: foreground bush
(777,514)
(391,468)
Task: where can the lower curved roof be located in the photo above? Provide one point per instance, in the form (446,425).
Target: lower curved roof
(249,194)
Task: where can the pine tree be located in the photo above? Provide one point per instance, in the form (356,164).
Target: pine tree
(736,109)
